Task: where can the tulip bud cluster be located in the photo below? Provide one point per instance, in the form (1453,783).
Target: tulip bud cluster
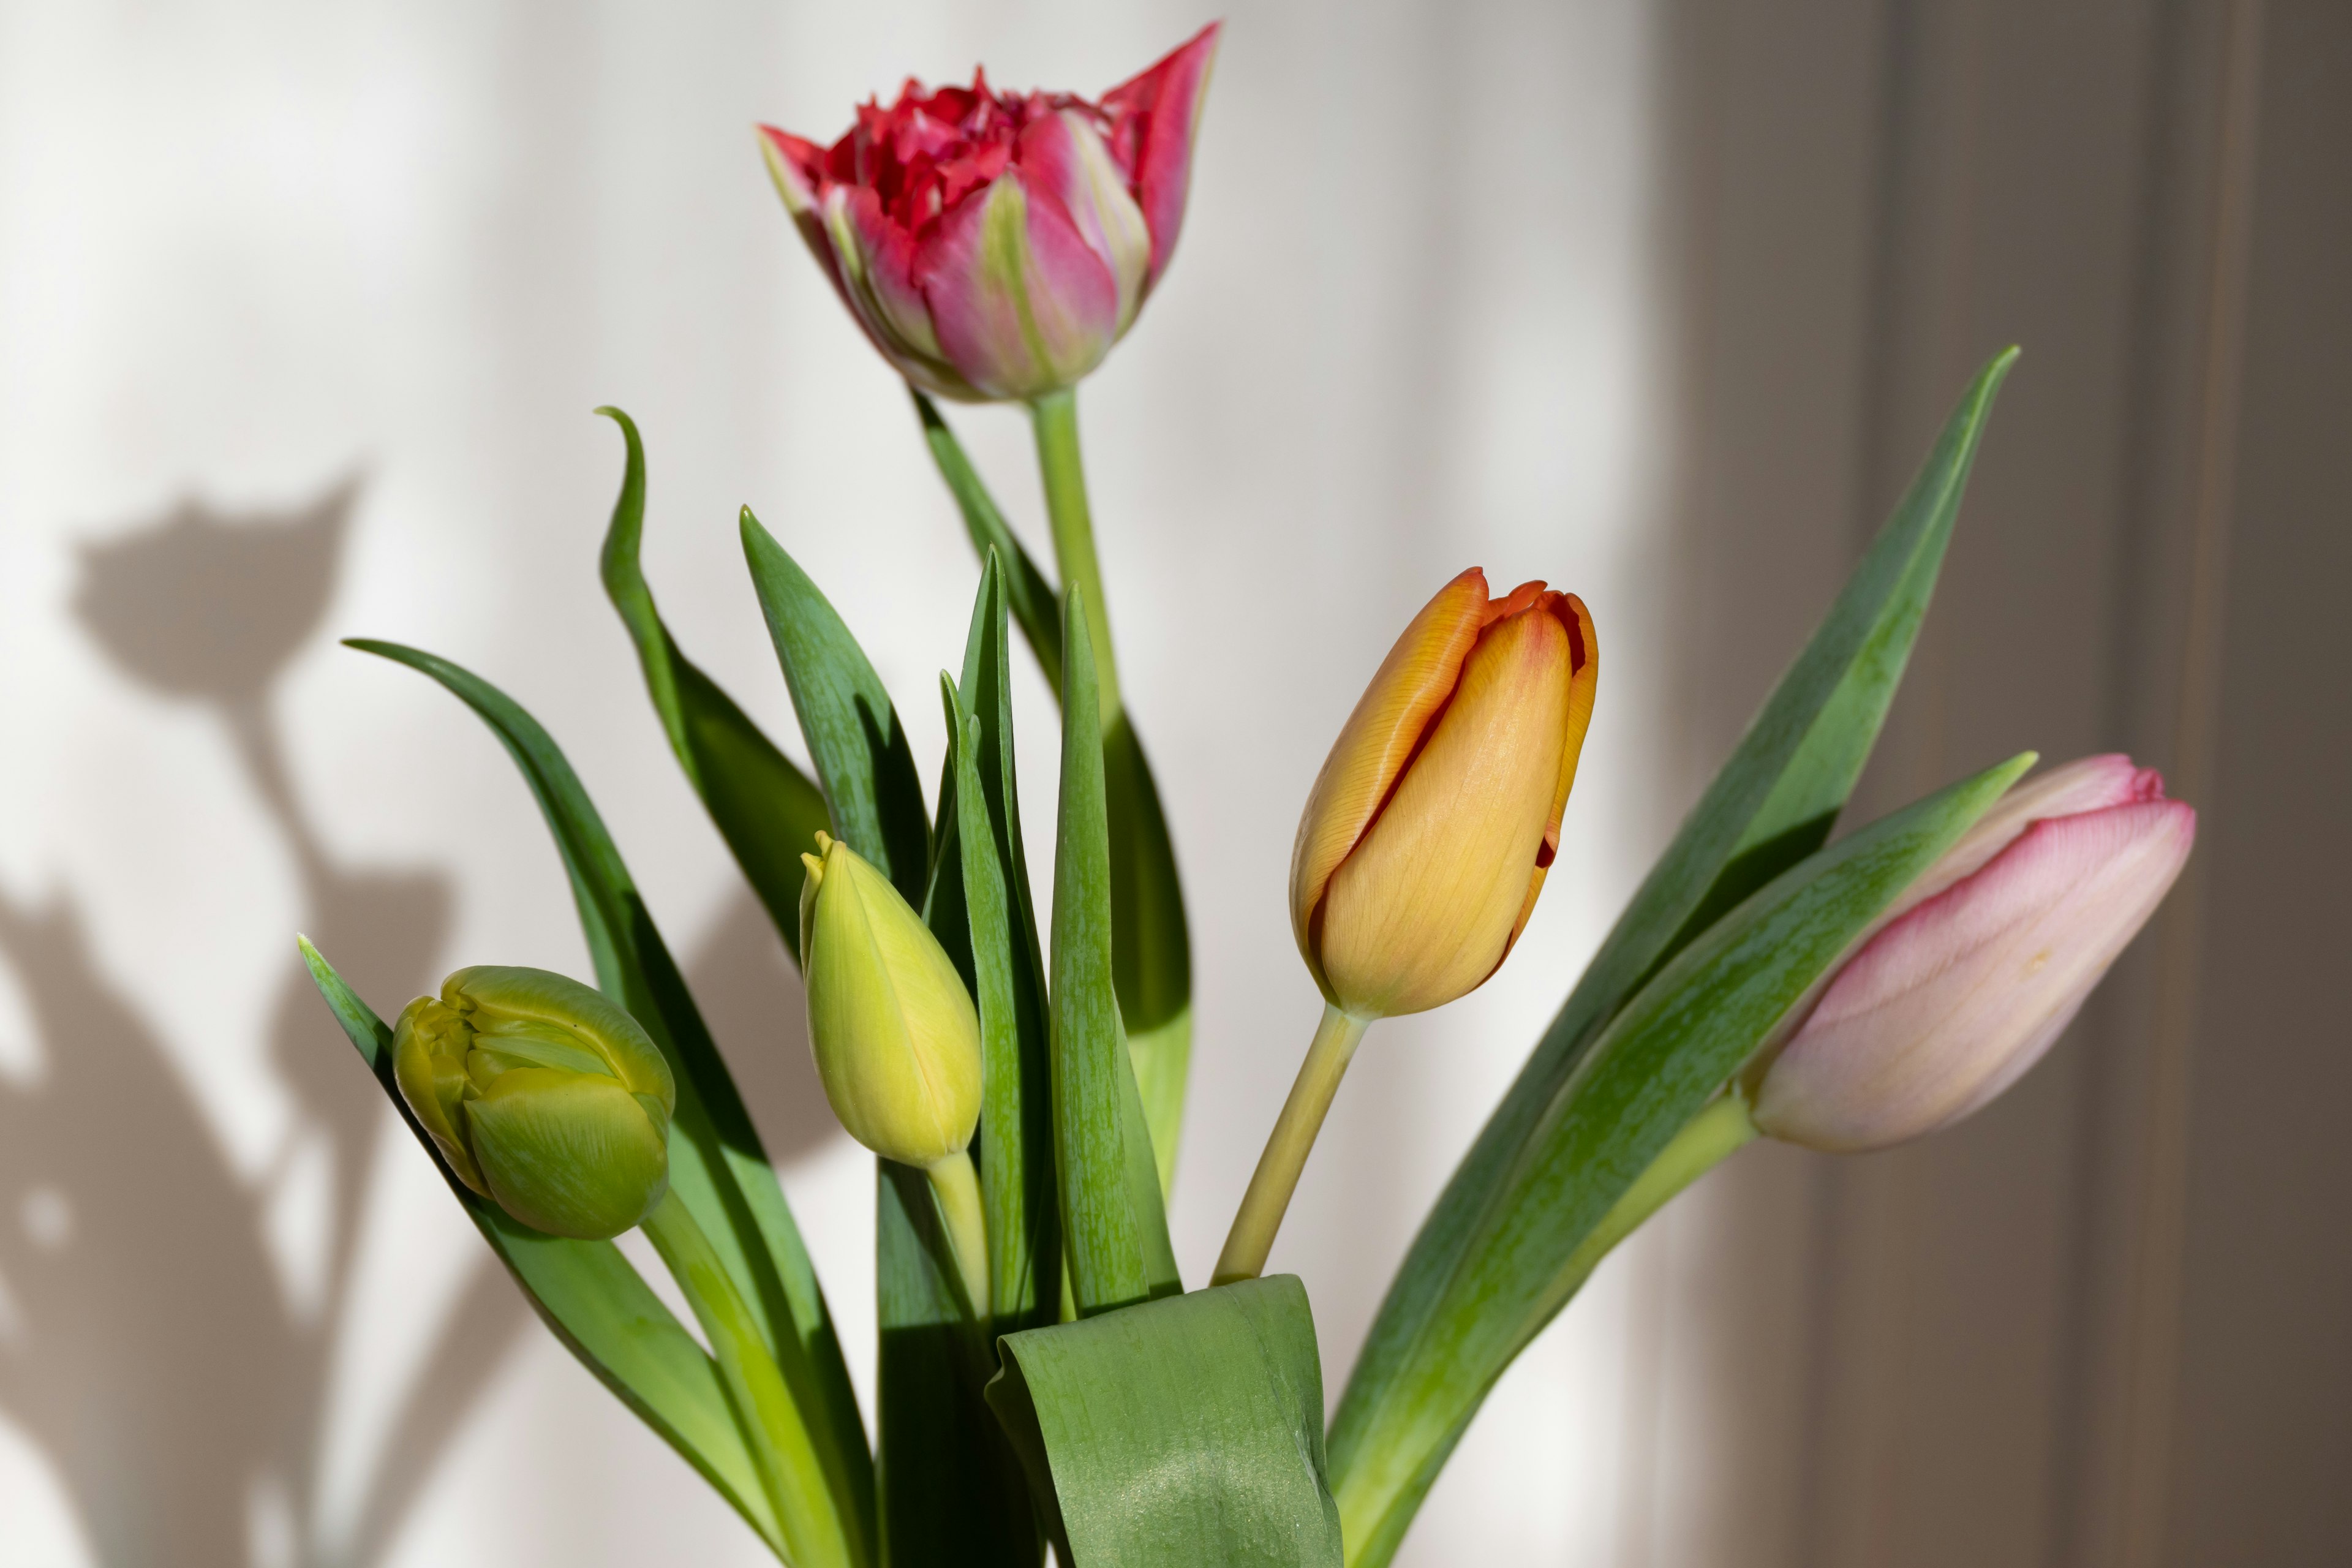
(542,1095)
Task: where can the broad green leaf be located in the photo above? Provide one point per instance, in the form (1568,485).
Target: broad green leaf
(1113,1225)
(766,809)
(1150,947)
(717,1164)
(1180,1432)
(1654,1068)
(1016,1123)
(591,1299)
(852,732)
(1773,804)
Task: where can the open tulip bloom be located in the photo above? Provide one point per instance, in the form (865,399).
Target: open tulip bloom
(1044,1376)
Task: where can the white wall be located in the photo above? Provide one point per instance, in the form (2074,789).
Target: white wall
(368,267)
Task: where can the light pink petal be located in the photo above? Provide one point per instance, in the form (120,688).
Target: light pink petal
(2087,783)
(1022,305)
(1953,1002)
(1160,111)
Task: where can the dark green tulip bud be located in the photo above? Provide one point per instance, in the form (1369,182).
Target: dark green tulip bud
(543,1096)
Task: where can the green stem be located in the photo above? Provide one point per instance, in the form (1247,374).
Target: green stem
(957,1186)
(1276,1176)
(1397,1463)
(1055,420)
(815,1533)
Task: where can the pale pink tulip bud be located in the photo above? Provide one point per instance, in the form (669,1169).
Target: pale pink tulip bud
(1983,963)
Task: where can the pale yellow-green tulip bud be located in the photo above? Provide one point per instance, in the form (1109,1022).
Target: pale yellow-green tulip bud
(895,1033)
(544,1097)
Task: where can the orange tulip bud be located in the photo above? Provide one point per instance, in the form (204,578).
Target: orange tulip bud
(1428,832)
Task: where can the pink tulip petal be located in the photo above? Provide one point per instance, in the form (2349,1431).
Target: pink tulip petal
(2087,783)
(1958,998)
(1022,305)
(1154,117)
(1061,155)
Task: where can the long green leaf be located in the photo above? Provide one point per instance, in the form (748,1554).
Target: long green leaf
(1773,804)
(1016,1142)
(766,809)
(1178,1433)
(590,1299)
(1652,1070)
(717,1164)
(1151,947)
(1113,1225)
(852,732)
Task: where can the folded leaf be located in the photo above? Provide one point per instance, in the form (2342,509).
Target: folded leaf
(1152,948)
(852,732)
(1113,1224)
(718,1166)
(766,809)
(1016,1121)
(1178,1433)
(590,1299)
(1773,804)
(1652,1070)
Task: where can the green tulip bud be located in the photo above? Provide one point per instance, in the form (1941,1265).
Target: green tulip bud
(542,1095)
(895,1036)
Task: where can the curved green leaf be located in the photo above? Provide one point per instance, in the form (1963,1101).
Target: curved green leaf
(1178,1433)
(1113,1224)
(1652,1070)
(590,1299)
(1027,591)
(718,1166)
(766,809)
(852,732)
(1773,804)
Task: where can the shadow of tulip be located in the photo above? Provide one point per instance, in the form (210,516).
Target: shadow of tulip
(153,1349)
(160,1357)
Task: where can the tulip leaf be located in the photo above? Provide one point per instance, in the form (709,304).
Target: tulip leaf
(718,1166)
(592,1299)
(1652,1070)
(1772,803)
(1016,1121)
(952,1487)
(1177,1432)
(852,732)
(766,809)
(1150,947)
(1113,1224)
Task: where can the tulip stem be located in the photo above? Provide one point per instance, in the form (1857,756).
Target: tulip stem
(1055,420)
(956,1188)
(808,1517)
(1276,1176)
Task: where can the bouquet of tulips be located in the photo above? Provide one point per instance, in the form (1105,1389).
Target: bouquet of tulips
(1044,1375)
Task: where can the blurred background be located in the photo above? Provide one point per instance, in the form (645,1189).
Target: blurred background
(302,312)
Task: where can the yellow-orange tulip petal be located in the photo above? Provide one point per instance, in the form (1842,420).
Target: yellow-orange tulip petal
(1425,907)
(1390,720)
(1583,683)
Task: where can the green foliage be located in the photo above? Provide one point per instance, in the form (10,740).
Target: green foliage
(717,1167)
(1180,1432)
(1112,1221)
(765,808)
(1771,806)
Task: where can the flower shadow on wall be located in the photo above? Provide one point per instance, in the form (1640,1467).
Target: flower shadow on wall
(154,1350)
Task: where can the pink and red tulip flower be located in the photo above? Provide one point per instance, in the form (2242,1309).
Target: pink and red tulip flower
(1983,963)
(994,246)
